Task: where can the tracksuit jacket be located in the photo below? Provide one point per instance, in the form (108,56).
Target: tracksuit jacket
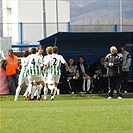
(126,60)
(117,60)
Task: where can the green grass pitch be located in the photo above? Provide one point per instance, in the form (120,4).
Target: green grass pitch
(67,114)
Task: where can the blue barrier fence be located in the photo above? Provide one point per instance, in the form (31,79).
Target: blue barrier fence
(30,33)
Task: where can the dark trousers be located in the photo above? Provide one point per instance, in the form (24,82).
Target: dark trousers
(114,83)
(12,83)
(80,83)
(124,80)
(73,85)
(100,85)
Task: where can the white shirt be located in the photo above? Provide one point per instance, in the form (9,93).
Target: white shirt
(2,57)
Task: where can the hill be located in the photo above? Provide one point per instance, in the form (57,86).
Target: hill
(100,11)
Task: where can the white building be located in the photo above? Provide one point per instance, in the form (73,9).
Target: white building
(30,13)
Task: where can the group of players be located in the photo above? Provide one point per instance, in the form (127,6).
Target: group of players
(39,72)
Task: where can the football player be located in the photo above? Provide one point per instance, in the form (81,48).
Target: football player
(34,62)
(54,70)
(23,77)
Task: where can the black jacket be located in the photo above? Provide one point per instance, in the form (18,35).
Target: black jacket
(116,59)
(95,67)
(86,69)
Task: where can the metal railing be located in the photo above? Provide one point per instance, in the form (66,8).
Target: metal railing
(30,33)
(100,28)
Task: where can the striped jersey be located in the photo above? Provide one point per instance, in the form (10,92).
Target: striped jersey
(24,69)
(41,58)
(54,64)
(45,59)
(34,63)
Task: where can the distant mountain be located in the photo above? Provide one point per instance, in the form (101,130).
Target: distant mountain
(100,11)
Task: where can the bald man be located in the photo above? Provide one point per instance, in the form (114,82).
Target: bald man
(113,63)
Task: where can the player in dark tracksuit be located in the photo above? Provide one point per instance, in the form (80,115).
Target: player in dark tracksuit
(113,63)
(125,67)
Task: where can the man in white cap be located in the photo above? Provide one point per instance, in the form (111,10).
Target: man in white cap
(113,63)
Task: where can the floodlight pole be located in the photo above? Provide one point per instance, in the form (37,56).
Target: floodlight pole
(44,19)
(121,16)
(57,20)
(1,19)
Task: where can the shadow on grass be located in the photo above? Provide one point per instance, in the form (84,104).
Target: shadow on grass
(69,96)
(105,95)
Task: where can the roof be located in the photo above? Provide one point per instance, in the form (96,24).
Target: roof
(82,37)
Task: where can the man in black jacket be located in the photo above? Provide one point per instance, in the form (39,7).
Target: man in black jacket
(98,72)
(113,63)
(84,75)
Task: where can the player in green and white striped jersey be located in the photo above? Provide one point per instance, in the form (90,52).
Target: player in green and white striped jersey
(49,51)
(34,90)
(34,62)
(39,53)
(54,69)
(23,77)
(24,71)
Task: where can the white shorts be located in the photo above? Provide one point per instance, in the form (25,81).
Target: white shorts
(22,80)
(53,79)
(45,79)
(41,77)
(34,78)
